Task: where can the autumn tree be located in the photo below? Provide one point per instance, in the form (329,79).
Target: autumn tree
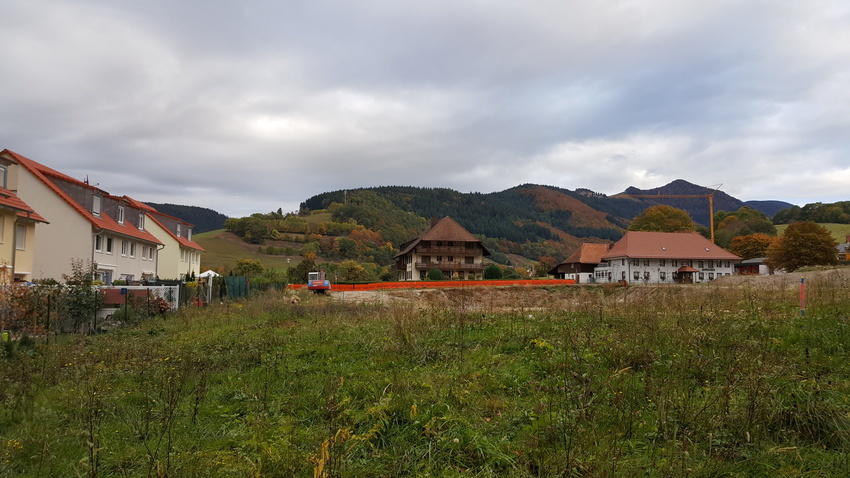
(803,244)
(663,218)
(743,222)
(751,245)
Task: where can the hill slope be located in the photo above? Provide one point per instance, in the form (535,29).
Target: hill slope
(204,219)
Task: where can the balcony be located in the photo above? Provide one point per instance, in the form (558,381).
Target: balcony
(450,266)
(446,250)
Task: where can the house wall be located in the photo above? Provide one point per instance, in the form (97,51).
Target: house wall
(7,252)
(24,258)
(175,261)
(447,261)
(123,265)
(67,237)
(659,271)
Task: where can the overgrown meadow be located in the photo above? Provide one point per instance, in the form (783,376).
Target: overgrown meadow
(707,380)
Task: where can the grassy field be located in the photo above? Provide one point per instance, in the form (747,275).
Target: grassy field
(718,379)
(223,248)
(839,231)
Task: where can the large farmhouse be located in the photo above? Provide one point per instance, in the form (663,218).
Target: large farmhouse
(664,257)
(446,246)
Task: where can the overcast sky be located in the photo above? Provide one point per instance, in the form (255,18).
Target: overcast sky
(250,106)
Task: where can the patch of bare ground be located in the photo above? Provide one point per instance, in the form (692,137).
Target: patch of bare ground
(570,297)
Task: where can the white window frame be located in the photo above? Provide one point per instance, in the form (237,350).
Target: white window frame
(96,205)
(124,246)
(121,215)
(20,237)
(141,221)
(178,229)
(109,245)
(4,176)
(133,249)
(98,243)
(189,234)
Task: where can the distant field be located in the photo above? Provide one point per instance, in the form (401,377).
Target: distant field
(224,248)
(839,231)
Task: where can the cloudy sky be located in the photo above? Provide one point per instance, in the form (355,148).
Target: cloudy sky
(250,106)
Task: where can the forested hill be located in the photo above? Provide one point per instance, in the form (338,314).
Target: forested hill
(542,213)
(202,218)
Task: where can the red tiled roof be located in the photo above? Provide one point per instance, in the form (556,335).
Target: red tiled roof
(667,245)
(105,222)
(153,213)
(12,201)
(588,253)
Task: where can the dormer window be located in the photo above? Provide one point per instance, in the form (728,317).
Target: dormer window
(96,202)
(189,234)
(3,173)
(141,221)
(121,215)
(178,230)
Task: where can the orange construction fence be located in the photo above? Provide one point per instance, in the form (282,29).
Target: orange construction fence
(439,284)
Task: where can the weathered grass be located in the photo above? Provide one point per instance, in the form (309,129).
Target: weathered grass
(707,380)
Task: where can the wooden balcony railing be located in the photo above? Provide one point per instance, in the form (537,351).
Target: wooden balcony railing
(450,266)
(445,250)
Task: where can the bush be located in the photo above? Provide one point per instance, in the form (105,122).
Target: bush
(435,274)
(492,272)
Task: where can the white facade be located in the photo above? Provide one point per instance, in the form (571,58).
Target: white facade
(661,271)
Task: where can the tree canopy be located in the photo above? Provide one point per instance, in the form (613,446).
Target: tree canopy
(743,222)
(663,218)
(751,246)
(803,244)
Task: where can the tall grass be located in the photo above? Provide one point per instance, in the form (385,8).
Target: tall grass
(707,380)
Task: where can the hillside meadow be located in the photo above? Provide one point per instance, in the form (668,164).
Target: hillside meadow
(721,379)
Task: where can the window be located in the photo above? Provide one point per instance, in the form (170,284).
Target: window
(711,276)
(98,243)
(646,275)
(124,247)
(702,276)
(675,263)
(710,263)
(701,264)
(3,174)
(95,205)
(426,259)
(637,275)
(469,260)
(120,214)
(189,234)
(20,237)
(623,275)
(178,229)
(182,255)
(141,221)
(662,275)
(646,262)
(662,262)
(109,245)
(133,249)
(150,253)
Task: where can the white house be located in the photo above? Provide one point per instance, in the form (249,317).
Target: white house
(86,223)
(664,257)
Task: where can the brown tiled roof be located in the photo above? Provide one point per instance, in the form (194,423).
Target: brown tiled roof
(588,253)
(10,200)
(447,229)
(667,245)
(41,172)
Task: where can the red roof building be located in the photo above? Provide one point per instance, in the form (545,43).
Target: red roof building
(664,257)
(114,233)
